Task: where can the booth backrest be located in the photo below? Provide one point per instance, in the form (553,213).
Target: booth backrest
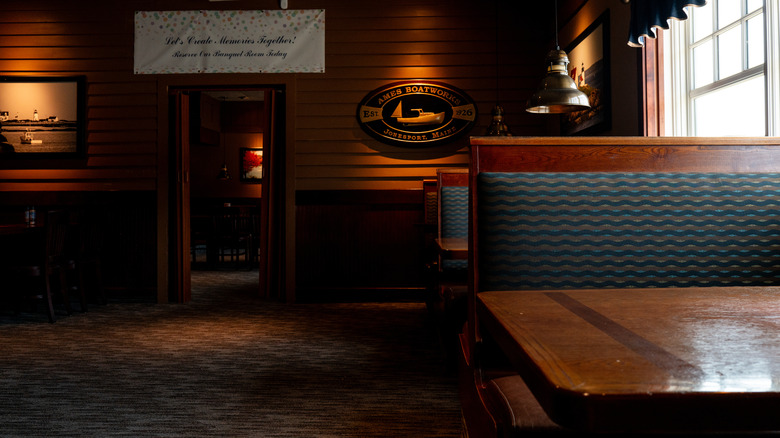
(430,202)
(624,212)
(606,212)
(453,210)
(606,230)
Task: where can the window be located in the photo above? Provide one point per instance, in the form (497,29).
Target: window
(721,70)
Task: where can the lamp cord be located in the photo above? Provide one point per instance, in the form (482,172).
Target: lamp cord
(496,47)
(557,46)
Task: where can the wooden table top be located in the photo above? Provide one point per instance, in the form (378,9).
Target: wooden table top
(14,229)
(645,359)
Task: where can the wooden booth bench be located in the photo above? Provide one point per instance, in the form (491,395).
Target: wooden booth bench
(577,245)
(452,261)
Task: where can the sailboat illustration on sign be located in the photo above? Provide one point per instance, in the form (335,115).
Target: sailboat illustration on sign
(422,118)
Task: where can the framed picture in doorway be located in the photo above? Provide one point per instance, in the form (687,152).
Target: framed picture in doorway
(251,165)
(589,67)
(42,117)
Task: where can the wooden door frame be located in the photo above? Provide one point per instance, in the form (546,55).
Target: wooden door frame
(180,193)
(272,198)
(652,80)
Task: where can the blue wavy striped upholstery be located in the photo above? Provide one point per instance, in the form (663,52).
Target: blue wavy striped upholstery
(431,205)
(454,265)
(600,230)
(454,211)
(454,220)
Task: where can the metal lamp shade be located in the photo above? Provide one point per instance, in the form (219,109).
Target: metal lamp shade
(223,173)
(557,93)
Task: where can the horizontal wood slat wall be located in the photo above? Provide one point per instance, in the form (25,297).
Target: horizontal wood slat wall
(372,44)
(116,181)
(95,40)
(359,206)
(368,44)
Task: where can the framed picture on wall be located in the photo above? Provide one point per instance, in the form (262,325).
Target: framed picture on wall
(589,67)
(251,165)
(42,117)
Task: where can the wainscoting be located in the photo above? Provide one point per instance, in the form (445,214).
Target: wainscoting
(365,245)
(124,224)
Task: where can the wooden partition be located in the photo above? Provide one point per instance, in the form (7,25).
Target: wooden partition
(360,245)
(612,154)
(503,171)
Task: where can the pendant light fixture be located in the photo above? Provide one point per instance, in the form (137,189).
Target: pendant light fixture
(557,93)
(497,125)
(223,173)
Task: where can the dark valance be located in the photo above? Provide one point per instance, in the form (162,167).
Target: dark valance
(647,14)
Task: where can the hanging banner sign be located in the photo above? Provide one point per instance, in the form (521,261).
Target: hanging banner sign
(271,41)
(424,113)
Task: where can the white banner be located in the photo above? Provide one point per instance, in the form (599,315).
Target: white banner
(270,41)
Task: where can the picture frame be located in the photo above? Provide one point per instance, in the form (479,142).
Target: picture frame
(42,117)
(589,66)
(251,165)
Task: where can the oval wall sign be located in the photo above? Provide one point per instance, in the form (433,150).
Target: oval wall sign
(420,113)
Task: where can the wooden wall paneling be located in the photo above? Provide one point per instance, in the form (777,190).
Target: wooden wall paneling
(95,40)
(359,243)
(317,158)
(50,39)
(652,76)
(369,46)
(108,185)
(128,228)
(242,116)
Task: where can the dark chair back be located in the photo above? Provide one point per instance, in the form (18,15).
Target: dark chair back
(453,219)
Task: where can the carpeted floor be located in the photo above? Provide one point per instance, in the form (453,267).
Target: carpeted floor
(228,364)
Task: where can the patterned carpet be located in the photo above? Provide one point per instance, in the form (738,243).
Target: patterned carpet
(228,364)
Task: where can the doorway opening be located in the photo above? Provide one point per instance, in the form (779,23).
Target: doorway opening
(227,181)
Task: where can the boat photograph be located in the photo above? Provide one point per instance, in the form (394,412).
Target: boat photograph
(27,138)
(41,115)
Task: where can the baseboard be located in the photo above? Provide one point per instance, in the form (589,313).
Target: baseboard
(362,295)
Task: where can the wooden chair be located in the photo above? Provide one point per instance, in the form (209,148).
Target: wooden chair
(234,237)
(430,202)
(453,195)
(71,261)
(88,253)
(36,275)
(452,272)
(202,235)
(429,228)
